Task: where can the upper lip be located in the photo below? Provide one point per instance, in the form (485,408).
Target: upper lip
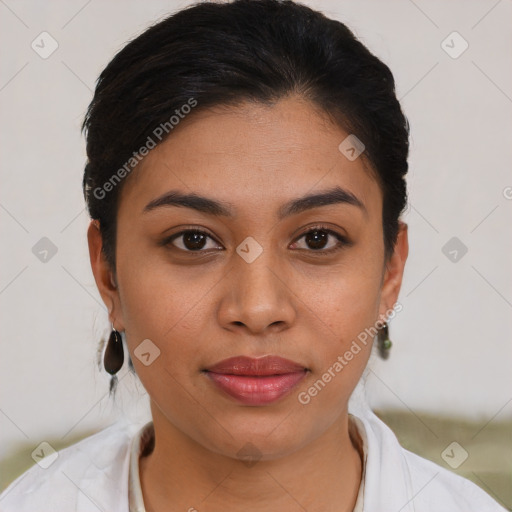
(267,365)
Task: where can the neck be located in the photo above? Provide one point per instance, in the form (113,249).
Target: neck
(181,474)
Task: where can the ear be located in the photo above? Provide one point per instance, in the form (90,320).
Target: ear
(394,271)
(104,276)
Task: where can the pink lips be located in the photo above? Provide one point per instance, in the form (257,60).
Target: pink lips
(256,381)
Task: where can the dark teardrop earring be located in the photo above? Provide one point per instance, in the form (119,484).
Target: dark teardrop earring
(114,357)
(383,342)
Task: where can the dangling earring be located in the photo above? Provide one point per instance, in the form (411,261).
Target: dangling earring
(114,357)
(384,343)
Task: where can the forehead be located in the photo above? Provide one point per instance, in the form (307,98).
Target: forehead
(251,155)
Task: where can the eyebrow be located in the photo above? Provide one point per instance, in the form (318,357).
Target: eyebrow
(335,195)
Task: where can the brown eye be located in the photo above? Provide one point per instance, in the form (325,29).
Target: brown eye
(316,239)
(321,240)
(194,240)
(190,240)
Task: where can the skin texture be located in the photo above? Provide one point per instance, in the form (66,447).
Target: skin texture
(199,309)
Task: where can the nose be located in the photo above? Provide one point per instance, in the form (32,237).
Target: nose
(257,298)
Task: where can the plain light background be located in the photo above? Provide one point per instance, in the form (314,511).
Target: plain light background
(452,341)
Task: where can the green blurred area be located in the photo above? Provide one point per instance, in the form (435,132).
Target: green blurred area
(488,443)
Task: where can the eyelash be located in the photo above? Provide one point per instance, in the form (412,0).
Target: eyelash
(342,240)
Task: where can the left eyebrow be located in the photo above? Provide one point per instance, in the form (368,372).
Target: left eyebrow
(335,195)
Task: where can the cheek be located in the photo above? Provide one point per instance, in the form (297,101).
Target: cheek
(348,311)
(165,304)
(344,303)
(348,316)
(344,298)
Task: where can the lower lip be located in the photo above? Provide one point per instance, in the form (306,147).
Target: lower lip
(254,390)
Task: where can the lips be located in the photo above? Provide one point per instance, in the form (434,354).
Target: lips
(258,381)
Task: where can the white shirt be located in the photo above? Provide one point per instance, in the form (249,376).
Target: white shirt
(94,475)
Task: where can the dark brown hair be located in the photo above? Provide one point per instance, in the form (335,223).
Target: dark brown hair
(221,54)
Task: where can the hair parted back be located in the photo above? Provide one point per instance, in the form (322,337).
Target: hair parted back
(244,50)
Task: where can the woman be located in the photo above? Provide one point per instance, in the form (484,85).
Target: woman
(245,181)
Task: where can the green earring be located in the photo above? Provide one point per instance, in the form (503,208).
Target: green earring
(384,343)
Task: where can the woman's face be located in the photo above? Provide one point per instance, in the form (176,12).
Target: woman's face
(254,283)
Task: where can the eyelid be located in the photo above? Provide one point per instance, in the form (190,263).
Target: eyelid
(320,227)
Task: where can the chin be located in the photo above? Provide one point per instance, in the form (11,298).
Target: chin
(254,438)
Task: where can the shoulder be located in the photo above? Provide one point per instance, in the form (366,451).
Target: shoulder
(396,478)
(89,475)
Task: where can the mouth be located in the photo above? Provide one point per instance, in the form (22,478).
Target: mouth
(260,381)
